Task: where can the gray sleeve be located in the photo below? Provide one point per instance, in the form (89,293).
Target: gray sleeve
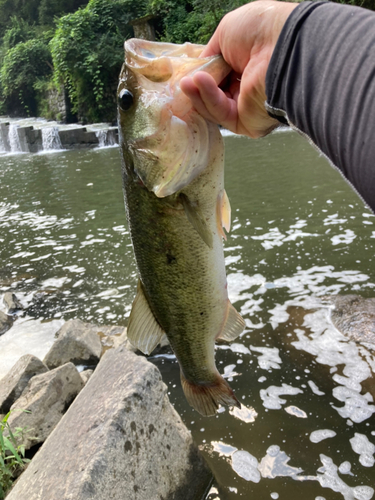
(321,80)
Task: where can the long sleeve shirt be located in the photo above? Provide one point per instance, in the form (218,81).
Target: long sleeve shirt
(321,81)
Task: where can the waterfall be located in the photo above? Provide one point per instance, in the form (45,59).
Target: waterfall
(51,139)
(14,140)
(105,138)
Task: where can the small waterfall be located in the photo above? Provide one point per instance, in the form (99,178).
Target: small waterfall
(14,140)
(51,139)
(105,138)
(2,145)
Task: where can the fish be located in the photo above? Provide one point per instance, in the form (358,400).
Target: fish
(176,206)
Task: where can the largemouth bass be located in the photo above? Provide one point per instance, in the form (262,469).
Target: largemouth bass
(173,175)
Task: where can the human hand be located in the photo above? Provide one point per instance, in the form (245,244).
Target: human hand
(246,38)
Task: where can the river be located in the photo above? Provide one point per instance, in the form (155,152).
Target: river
(299,233)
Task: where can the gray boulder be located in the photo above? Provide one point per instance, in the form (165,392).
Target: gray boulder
(15,381)
(11,302)
(5,322)
(46,397)
(85,375)
(354,317)
(77,342)
(120,439)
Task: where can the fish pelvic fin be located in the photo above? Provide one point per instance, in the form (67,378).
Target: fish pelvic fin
(144,332)
(234,325)
(223,213)
(206,398)
(196,219)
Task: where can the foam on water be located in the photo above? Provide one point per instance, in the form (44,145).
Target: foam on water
(271,395)
(365,449)
(320,435)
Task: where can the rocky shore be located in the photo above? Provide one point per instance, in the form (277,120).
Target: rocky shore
(103,421)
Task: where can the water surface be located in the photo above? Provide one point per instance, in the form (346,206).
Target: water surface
(299,233)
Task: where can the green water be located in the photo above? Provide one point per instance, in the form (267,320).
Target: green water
(299,233)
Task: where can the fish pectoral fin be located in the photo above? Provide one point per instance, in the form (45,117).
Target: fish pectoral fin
(144,332)
(234,325)
(206,398)
(223,211)
(196,219)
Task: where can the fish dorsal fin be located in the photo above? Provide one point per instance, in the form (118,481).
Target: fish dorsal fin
(223,213)
(196,219)
(234,325)
(144,332)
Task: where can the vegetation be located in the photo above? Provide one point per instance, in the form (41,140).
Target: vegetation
(78,45)
(12,455)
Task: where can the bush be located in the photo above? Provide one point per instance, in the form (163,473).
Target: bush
(87,52)
(23,66)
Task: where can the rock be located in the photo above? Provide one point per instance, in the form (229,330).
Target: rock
(11,302)
(13,384)
(85,375)
(120,439)
(77,342)
(47,397)
(5,322)
(354,317)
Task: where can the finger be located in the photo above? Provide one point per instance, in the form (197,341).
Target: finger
(213,46)
(189,88)
(218,105)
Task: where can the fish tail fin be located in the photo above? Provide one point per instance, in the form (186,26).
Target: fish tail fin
(205,398)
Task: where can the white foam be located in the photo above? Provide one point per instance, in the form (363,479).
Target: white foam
(275,464)
(246,466)
(315,389)
(271,396)
(269,359)
(244,413)
(296,412)
(365,449)
(345,467)
(320,435)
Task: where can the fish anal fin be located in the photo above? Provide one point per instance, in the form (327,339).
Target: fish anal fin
(233,326)
(144,332)
(196,219)
(206,398)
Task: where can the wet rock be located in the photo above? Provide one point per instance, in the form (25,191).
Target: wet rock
(13,384)
(5,322)
(122,436)
(85,375)
(354,317)
(77,342)
(11,302)
(46,397)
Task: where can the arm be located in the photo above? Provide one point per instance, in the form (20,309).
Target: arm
(319,78)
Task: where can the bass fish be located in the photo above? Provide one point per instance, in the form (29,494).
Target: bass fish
(173,177)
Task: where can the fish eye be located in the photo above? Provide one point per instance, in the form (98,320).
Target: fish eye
(125,99)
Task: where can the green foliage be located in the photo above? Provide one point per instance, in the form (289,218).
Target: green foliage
(12,455)
(51,9)
(18,31)
(366,4)
(23,66)
(87,52)
(190,20)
